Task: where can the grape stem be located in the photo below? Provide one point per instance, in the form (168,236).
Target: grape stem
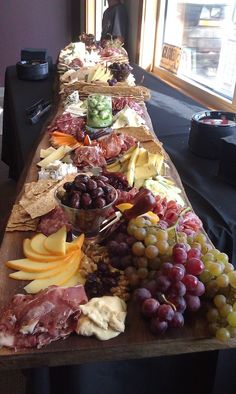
(180,216)
(168,302)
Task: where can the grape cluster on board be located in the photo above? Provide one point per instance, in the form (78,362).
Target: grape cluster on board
(169,271)
(120,71)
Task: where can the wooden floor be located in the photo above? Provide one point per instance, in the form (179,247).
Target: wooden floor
(11,382)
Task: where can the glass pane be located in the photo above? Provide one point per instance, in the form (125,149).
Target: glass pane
(206,32)
(101,6)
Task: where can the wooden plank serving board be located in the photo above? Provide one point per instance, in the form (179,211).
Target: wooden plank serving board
(136,342)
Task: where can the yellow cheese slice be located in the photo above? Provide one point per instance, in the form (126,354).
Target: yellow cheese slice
(46,152)
(57,155)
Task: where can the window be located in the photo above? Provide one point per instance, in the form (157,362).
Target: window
(94,13)
(205,30)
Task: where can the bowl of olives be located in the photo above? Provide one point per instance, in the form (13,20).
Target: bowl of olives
(86,202)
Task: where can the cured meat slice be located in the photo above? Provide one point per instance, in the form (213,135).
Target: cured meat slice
(90,156)
(111,145)
(115,144)
(53,221)
(127,142)
(68,124)
(36,320)
(118,103)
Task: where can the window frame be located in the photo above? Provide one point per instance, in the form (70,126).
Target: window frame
(203,95)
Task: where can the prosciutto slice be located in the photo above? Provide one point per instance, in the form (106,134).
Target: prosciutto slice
(36,320)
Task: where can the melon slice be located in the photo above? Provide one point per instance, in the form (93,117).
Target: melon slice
(77,243)
(33,266)
(37,244)
(74,280)
(70,269)
(32,255)
(56,243)
(24,275)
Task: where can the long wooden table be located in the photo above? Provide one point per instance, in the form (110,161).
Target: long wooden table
(136,342)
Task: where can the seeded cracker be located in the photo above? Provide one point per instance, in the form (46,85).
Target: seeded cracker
(38,198)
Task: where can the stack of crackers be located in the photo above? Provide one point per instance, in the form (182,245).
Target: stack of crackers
(20,220)
(37,200)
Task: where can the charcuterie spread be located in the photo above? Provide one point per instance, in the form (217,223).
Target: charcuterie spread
(107,223)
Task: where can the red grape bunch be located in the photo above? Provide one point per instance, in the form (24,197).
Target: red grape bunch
(120,71)
(174,289)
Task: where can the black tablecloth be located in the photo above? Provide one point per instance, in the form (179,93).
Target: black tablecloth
(212,200)
(19,136)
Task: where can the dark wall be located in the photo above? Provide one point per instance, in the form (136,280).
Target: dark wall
(32,23)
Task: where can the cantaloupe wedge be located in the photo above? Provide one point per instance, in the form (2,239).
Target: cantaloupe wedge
(77,243)
(33,266)
(76,278)
(125,205)
(56,243)
(32,255)
(70,269)
(23,275)
(37,244)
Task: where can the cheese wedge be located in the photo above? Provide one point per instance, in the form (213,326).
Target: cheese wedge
(46,152)
(57,155)
(131,166)
(145,172)
(142,157)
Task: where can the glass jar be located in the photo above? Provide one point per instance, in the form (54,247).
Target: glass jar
(99,111)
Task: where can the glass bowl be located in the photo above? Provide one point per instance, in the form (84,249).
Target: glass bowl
(87,221)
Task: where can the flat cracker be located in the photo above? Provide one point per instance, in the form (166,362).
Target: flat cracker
(140,133)
(18,214)
(24,227)
(33,189)
(153,147)
(20,220)
(40,204)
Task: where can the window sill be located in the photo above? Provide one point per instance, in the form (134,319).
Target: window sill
(194,90)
